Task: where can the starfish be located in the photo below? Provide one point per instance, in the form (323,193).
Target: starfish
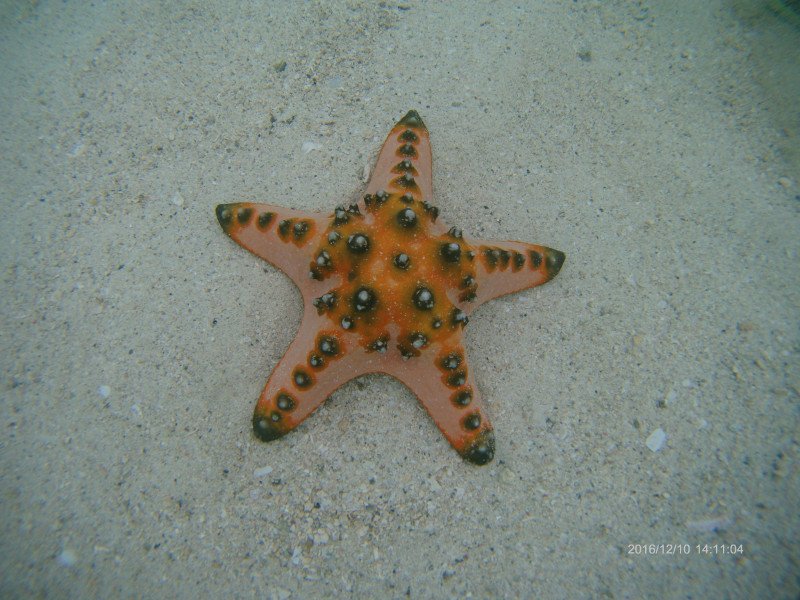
(387,288)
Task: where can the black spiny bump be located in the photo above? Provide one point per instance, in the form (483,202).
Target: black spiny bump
(457,379)
(519,260)
(301,378)
(459,317)
(224,215)
(340,216)
(347,322)
(407,218)
(265,219)
(324,302)
(283,227)
(451,252)
(324,259)
(265,429)
(328,345)
(418,340)
(333,237)
(481,450)
(536,259)
(423,298)
(285,402)
(436,323)
(243,215)
(406,352)
(358,243)
(555,260)
(316,361)
(456,233)
(402,261)
(492,256)
(472,422)
(452,361)
(432,210)
(406,180)
(462,398)
(408,136)
(411,119)
(300,228)
(407,150)
(364,300)
(381,197)
(407,198)
(380,344)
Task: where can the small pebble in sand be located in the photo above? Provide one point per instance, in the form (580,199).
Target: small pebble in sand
(309,146)
(262,472)
(104,391)
(785,182)
(67,558)
(655,441)
(177,199)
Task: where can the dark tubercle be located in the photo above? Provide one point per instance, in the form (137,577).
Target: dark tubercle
(462,398)
(472,422)
(451,252)
(285,402)
(265,428)
(328,345)
(402,261)
(300,229)
(536,259)
(225,216)
(358,243)
(452,361)
(265,219)
(554,262)
(364,300)
(412,119)
(423,298)
(459,317)
(408,150)
(407,218)
(481,450)
(243,215)
(301,378)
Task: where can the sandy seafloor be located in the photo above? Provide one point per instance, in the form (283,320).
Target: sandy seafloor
(653,142)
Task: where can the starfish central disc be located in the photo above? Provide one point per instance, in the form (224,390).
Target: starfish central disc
(391,275)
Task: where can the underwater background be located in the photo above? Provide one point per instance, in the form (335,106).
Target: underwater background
(645,402)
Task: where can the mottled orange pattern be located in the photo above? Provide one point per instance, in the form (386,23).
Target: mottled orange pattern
(388,288)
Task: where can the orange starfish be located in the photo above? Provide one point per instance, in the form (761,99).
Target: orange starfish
(387,288)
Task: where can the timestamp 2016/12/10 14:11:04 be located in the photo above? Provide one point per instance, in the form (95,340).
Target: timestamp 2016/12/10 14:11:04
(673,549)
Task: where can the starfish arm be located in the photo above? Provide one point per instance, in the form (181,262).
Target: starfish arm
(506,267)
(404,164)
(318,361)
(284,237)
(446,388)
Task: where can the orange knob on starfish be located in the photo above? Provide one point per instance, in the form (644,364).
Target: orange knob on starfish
(387,288)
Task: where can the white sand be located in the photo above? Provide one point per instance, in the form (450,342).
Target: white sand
(641,138)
